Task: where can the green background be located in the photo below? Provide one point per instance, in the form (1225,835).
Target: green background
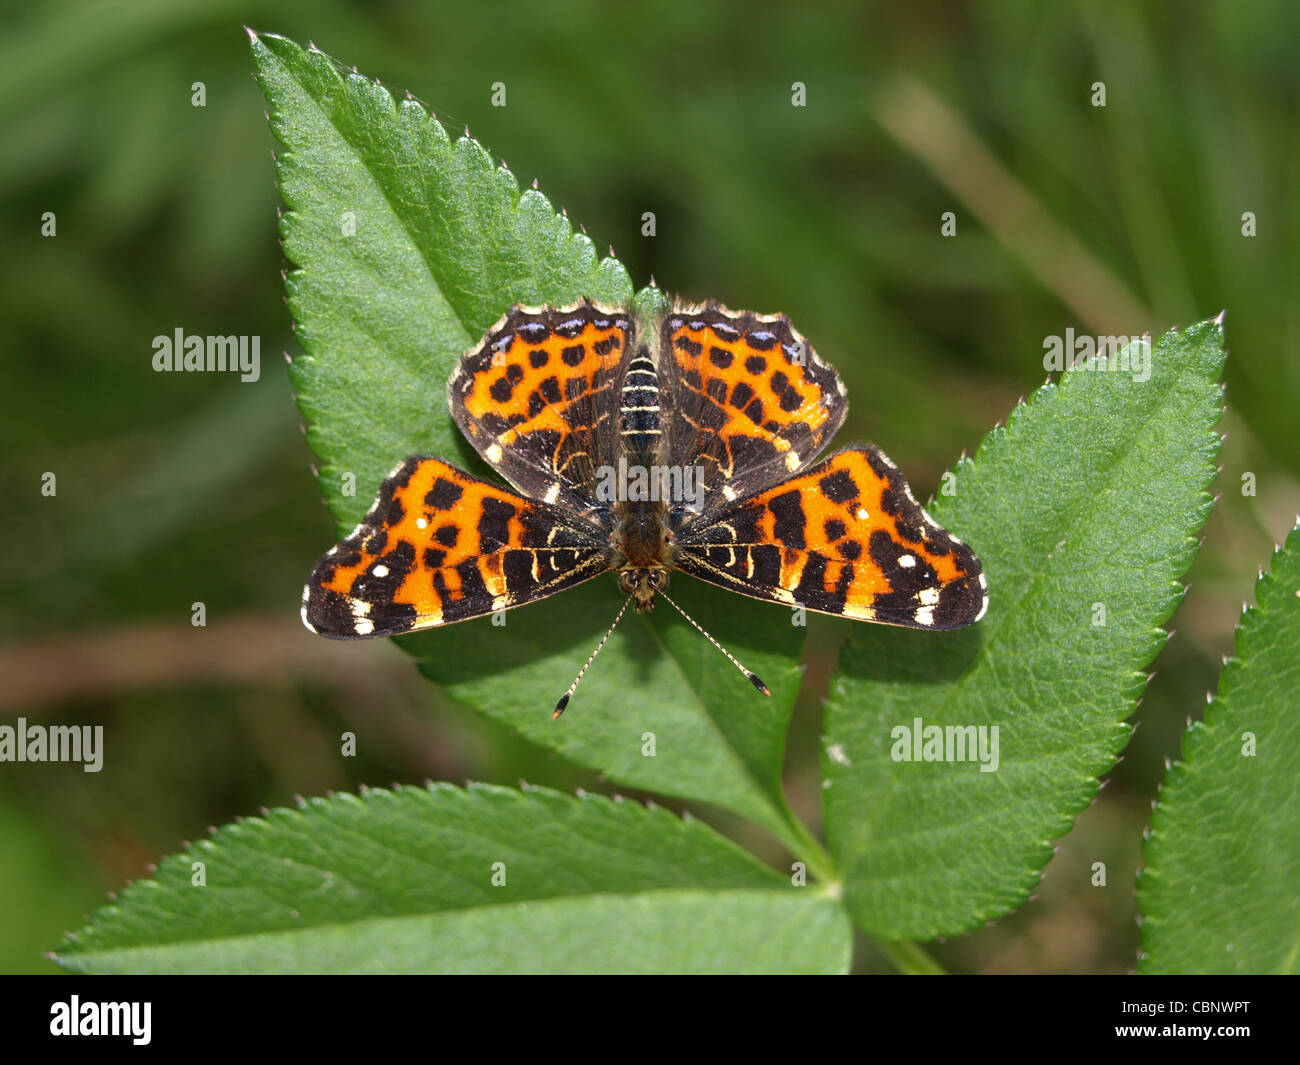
(180,488)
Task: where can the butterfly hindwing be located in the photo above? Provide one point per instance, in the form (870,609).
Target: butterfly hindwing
(752,402)
(441,545)
(536,397)
(842,537)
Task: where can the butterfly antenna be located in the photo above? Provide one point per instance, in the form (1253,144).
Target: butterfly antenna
(564,699)
(749,674)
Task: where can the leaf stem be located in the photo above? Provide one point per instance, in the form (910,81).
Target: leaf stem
(910,958)
(807,848)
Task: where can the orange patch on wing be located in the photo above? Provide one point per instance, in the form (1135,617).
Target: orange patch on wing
(443,498)
(780,389)
(822,512)
(521,370)
(833,510)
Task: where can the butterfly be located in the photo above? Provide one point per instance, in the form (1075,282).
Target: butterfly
(644,446)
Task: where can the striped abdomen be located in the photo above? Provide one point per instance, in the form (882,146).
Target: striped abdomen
(639,406)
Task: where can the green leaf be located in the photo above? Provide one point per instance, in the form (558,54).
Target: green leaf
(408,245)
(403,881)
(1090,498)
(677,932)
(1218,893)
(661,710)
(443,245)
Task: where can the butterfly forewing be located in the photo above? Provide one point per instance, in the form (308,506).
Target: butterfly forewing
(752,401)
(537,397)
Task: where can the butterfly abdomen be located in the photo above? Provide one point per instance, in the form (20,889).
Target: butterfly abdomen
(639,406)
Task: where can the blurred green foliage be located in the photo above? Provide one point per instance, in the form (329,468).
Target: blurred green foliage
(191,487)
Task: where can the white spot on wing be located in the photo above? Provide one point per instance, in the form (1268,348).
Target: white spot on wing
(984,607)
(380,571)
(928,596)
(493,454)
(363,626)
(907,561)
(925,616)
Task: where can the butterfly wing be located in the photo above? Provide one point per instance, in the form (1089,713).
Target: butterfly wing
(752,402)
(537,395)
(843,537)
(440,545)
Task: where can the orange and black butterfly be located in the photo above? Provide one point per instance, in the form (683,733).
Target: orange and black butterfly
(644,447)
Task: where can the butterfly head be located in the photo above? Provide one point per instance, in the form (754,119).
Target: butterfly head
(644,552)
(643,582)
